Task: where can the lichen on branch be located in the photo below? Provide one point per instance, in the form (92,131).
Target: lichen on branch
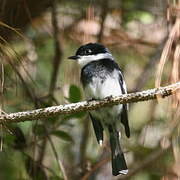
(146,95)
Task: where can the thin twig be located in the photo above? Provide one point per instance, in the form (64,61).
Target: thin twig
(104,9)
(56,63)
(96,166)
(60,166)
(83,143)
(90,105)
(58,50)
(176,75)
(42,149)
(166,52)
(1,105)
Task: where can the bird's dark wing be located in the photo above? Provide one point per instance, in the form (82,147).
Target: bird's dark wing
(98,129)
(124,113)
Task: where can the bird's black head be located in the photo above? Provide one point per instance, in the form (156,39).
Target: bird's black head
(91,49)
(90,52)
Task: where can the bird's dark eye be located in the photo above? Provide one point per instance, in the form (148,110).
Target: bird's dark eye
(87,51)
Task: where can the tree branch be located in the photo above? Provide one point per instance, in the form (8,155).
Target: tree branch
(155,93)
(104,9)
(58,49)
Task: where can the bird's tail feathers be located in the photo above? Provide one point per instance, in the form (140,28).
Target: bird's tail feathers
(118,161)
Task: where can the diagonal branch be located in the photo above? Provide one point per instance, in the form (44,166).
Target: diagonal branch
(90,105)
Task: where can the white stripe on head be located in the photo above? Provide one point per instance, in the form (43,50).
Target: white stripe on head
(83,60)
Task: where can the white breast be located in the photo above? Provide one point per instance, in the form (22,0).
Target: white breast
(109,87)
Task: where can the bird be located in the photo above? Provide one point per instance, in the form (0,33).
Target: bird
(101,78)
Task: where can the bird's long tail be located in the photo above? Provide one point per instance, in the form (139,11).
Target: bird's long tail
(118,161)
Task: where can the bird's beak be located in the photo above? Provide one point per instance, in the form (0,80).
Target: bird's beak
(73,57)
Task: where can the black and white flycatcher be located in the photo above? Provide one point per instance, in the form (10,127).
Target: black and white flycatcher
(101,77)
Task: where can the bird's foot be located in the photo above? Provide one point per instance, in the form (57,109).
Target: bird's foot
(109,97)
(90,99)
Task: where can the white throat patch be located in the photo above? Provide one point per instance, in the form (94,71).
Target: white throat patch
(83,60)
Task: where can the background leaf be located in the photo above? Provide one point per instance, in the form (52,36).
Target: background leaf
(74,94)
(62,135)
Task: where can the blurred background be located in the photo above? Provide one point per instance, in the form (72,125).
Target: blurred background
(36,37)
